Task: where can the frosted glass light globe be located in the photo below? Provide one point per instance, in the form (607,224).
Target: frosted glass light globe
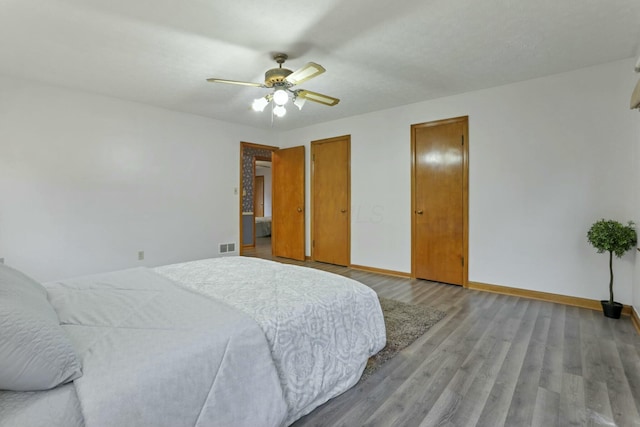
(280,97)
(259,104)
(279,111)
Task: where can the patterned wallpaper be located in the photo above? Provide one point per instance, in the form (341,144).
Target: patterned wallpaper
(247,174)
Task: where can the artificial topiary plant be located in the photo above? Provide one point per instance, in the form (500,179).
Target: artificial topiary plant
(615,238)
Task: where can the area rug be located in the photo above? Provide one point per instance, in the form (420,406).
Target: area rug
(404,323)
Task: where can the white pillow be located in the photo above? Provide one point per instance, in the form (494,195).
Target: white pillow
(35,352)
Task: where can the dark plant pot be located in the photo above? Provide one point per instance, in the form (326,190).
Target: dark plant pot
(611,310)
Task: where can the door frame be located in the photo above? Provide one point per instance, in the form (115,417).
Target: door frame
(465,192)
(244,145)
(312,195)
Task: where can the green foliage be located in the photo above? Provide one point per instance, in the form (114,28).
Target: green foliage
(612,236)
(615,238)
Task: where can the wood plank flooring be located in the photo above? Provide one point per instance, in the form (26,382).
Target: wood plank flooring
(494,360)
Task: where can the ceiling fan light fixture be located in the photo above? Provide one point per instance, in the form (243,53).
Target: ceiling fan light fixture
(280,97)
(279,111)
(259,104)
(280,82)
(299,102)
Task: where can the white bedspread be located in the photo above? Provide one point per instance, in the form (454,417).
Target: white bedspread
(321,327)
(155,354)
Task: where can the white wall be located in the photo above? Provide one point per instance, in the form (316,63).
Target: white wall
(87,181)
(266,172)
(548,157)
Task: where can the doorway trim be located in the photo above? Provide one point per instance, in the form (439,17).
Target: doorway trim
(465,192)
(243,146)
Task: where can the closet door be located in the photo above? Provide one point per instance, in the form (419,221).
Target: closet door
(330,192)
(439,201)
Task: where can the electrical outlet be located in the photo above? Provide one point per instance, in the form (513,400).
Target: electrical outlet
(140,255)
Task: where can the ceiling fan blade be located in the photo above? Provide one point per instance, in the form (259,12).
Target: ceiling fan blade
(309,71)
(318,97)
(235,82)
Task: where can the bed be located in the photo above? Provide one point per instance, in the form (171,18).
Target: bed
(226,341)
(263,226)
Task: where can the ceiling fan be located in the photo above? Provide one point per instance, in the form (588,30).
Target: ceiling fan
(282,81)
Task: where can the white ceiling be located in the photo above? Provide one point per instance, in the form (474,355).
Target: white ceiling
(378,54)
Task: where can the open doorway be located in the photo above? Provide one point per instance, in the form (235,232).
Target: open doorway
(251,156)
(287,197)
(262,205)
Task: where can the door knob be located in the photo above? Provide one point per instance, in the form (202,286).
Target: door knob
(419,212)
(299,209)
(343,210)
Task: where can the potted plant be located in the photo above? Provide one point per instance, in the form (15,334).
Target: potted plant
(612,236)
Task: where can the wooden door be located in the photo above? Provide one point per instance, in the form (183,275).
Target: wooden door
(258,201)
(439,201)
(287,223)
(330,192)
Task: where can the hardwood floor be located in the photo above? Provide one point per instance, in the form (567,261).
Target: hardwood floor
(494,360)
